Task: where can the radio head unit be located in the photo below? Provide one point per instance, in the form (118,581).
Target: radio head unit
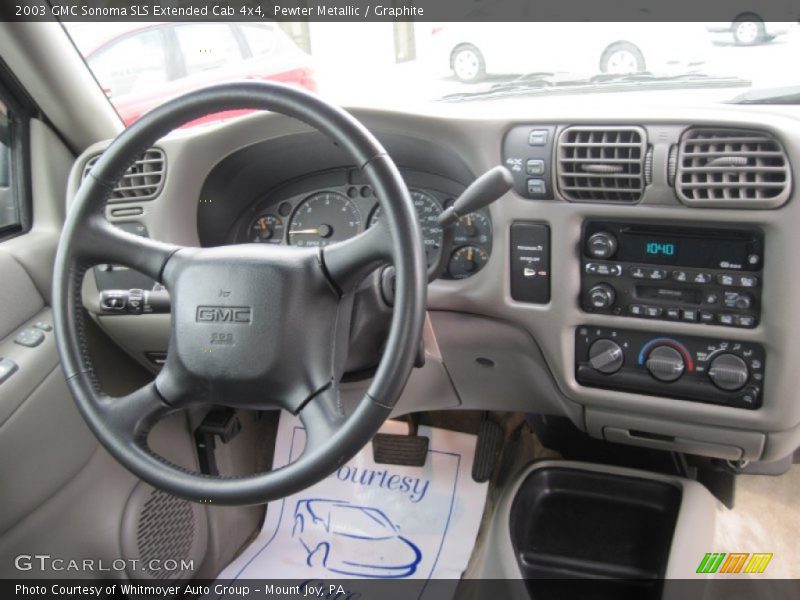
(681,273)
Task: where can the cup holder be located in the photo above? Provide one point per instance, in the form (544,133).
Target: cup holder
(609,530)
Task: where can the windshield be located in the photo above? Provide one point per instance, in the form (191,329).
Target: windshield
(402,64)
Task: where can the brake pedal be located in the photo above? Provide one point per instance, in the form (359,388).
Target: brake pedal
(487,449)
(409,450)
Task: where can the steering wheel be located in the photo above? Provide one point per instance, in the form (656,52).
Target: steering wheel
(256,326)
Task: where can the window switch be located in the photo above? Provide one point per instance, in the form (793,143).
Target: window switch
(7,367)
(29,337)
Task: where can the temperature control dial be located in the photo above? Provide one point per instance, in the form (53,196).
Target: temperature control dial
(606,356)
(728,372)
(665,363)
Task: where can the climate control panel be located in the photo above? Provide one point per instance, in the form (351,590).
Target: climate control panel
(718,371)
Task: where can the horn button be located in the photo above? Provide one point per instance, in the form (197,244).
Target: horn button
(252,325)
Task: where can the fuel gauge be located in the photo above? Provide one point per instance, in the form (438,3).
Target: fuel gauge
(474,228)
(267,229)
(467,261)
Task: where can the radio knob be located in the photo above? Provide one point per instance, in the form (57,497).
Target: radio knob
(602,295)
(665,363)
(743,302)
(601,245)
(606,356)
(728,372)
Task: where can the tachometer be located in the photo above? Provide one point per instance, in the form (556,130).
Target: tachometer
(428,211)
(267,229)
(324,218)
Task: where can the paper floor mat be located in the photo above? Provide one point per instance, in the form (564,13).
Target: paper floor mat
(371,522)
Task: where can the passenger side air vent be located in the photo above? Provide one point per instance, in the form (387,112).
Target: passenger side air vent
(142,181)
(602,164)
(731,168)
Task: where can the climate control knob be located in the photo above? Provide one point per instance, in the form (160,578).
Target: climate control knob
(601,245)
(602,296)
(606,356)
(665,364)
(728,372)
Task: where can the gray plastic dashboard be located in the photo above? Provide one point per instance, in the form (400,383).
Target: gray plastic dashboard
(528,350)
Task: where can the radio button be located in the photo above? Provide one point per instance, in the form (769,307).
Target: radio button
(746,321)
(680,275)
(706,317)
(701,278)
(711,298)
(726,279)
(726,319)
(637,273)
(604,269)
(653,311)
(657,274)
(636,310)
(673,313)
(748,281)
(689,314)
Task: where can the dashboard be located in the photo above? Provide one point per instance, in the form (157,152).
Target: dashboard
(638,279)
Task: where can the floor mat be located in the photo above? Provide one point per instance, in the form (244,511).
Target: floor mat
(369,521)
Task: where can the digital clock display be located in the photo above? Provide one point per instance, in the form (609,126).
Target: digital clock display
(654,248)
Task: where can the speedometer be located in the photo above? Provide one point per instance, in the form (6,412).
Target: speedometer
(428,211)
(324,218)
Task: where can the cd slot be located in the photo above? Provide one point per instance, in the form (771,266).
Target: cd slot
(668,294)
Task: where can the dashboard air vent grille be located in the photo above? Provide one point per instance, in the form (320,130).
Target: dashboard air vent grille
(602,164)
(731,167)
(142,181)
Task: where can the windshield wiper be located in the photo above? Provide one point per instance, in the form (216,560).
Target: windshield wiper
(549,83)
(781,95)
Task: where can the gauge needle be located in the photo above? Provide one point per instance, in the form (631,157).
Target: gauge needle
(305,231)
(262,223)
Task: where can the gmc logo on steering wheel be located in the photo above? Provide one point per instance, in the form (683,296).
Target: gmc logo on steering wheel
(224,314)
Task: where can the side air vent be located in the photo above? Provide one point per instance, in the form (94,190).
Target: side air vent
(142,181)
(731,168)
(602,164)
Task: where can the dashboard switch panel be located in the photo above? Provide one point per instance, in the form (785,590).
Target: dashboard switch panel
(711,370)
(527,153)
(674,273)
(530,262)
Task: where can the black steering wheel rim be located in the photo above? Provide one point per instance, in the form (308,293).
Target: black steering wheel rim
(121,425)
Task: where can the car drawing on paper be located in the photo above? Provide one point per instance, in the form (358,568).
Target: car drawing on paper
(357,541)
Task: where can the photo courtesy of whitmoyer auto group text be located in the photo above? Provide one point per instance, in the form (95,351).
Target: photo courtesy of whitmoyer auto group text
(399,300)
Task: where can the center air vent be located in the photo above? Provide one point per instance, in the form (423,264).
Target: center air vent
(731,167)
(602,164)
(142,181)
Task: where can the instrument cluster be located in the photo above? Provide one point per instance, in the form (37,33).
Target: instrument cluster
(320,217)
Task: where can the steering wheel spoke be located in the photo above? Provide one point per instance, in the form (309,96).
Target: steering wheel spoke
(348,262)
(100,241)
(132,416)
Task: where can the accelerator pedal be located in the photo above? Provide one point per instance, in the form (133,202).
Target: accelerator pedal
(487,450)
(397,449)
